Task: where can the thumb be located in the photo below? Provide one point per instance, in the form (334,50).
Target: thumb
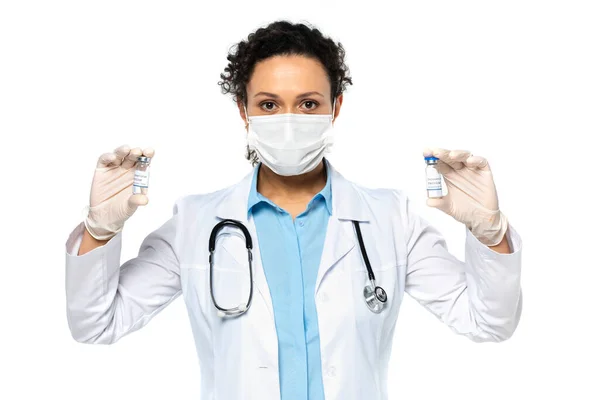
(442,204)
(134,201)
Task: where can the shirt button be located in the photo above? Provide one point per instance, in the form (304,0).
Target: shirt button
(301,223)
(323,297)
(331,372)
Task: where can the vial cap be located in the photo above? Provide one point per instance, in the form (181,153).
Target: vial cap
(143,159)
(431,158)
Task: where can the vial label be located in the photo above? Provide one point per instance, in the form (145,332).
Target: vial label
(434,179)
(141,178)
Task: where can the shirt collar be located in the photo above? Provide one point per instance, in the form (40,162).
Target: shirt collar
(254,197)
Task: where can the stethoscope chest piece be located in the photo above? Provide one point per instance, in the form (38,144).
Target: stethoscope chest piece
(375,297)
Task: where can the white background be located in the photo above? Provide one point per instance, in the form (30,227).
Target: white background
(515,81)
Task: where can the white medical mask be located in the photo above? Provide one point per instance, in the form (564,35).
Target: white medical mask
(290,144)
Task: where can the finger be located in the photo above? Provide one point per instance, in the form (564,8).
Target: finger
(442,154)
(148,152)
(448,157)
(134,201)
(459,155)
(106,160)
(443,168)
(442,204)
(427,152)
(458,158)
(121,152)
(138,200)
(131,158)
(477,162)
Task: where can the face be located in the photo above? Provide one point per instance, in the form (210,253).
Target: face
(289,84)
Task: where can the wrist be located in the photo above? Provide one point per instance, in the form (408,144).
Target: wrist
(489,227)
(96,225)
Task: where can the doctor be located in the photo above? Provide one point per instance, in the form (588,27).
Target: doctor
(308,332)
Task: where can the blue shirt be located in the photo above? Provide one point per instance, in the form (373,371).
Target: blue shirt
(290,251)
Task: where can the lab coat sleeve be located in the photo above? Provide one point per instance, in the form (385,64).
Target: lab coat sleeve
(107,300)
(479,298)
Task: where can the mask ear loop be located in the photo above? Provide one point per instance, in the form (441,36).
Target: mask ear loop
(332,131)
(246,115)
(333,114)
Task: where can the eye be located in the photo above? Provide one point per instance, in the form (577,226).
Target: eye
(310,105)
(268,106)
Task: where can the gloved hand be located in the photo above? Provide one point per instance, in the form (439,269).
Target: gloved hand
(112,201)
(472,197)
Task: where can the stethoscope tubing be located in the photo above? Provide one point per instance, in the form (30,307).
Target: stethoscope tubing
(211,249)
(375,296)
(365,257)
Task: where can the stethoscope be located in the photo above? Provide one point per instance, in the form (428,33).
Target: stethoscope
(375,296)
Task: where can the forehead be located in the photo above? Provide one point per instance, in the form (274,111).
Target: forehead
(293,74)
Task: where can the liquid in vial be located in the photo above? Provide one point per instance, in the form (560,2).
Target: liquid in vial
(141,176)
(433,177)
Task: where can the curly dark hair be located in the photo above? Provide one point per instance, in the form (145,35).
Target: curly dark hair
(282,38)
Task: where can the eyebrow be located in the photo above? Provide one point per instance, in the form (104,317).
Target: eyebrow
(278,97)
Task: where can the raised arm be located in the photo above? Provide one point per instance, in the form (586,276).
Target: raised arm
(107,300)
(480,297)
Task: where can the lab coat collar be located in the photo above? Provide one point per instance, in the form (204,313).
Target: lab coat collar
(348,202)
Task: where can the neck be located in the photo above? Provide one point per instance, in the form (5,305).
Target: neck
(291,188)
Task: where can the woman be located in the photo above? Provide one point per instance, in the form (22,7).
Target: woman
(307,332)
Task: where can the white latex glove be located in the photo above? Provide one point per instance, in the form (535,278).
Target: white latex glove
(472,197)
(112,201)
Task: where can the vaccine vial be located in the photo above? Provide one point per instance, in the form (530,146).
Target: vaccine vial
(433,177)
(141,176)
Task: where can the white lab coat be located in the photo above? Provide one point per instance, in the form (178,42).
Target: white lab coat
(479,298)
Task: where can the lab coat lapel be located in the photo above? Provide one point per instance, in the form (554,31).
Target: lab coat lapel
(235,206)
(337,244)
(260,280)
(348,205)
